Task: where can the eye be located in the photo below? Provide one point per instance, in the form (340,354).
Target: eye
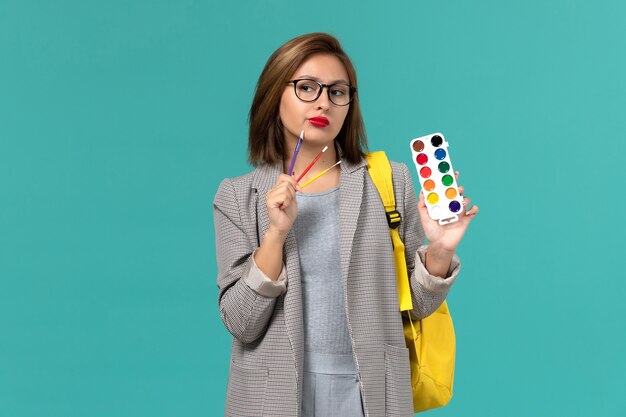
(339,90)
(307,86)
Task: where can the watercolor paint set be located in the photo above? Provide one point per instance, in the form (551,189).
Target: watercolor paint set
(436,176)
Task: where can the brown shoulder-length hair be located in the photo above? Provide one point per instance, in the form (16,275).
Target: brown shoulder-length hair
(265,138)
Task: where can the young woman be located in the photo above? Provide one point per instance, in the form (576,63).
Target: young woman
(306,276)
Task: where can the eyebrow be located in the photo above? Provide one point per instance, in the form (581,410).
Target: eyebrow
(317,79)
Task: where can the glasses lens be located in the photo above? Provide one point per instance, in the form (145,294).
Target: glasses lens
(307,90)
(340,94)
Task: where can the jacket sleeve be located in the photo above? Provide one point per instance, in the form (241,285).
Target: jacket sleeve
(246,298)
(428,291)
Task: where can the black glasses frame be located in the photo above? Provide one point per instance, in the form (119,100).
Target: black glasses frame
(352,90)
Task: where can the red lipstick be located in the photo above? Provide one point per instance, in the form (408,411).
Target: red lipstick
(319,121)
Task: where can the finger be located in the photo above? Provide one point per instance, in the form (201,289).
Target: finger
(279,189)
(285,188)
(456,175)
(278,201)
(286,204)
(280,196)
(292,192)
(421,207)
(466,201)
(285,185)
(421,203)
(472,211)
(289,191)
(286,179)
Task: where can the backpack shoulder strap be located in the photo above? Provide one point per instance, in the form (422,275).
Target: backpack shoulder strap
(380,171)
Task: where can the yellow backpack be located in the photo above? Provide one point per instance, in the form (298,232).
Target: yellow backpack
(431,341)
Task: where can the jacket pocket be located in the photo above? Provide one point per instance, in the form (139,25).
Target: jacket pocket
(245,395)
(398,392)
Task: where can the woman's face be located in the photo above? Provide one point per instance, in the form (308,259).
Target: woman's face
(296,114)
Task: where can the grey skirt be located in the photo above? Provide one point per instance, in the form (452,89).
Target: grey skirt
(331,386)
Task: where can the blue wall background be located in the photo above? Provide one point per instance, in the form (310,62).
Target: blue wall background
(118,120)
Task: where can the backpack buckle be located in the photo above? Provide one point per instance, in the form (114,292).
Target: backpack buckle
(393,219)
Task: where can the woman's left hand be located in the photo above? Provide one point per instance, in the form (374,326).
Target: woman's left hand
(446,237)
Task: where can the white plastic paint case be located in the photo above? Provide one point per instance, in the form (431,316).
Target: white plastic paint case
(436,175)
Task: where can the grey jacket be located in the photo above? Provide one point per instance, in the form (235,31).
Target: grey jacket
(266,366)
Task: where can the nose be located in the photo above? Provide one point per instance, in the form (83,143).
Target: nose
(323,101)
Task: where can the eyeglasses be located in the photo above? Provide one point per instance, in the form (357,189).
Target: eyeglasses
(340,94)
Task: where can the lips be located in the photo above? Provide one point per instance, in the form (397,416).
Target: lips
(319,121)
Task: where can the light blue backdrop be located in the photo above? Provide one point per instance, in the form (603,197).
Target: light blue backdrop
(118,119)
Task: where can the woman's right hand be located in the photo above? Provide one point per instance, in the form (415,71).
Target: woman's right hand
(281,204)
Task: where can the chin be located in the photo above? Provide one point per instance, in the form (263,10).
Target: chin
(320,134)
